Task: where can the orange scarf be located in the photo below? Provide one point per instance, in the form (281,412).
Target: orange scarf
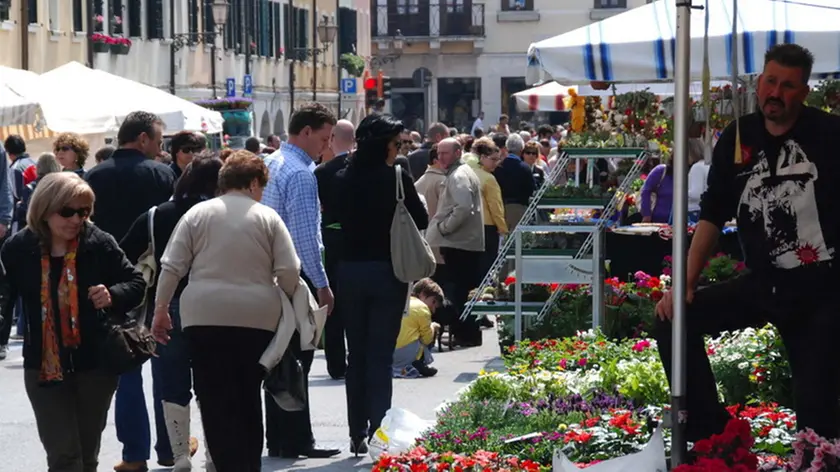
(68,315)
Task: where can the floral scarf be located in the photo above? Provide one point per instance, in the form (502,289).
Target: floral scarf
(68,315)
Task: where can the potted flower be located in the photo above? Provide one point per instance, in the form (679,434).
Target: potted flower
(120,46)
(101,42)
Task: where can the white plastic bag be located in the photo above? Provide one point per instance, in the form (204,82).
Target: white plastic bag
(397,433)
(649,459)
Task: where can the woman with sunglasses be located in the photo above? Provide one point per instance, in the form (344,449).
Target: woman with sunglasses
(183,147)
(72,151)
(66,271)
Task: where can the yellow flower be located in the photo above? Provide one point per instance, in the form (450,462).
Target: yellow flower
(562,427)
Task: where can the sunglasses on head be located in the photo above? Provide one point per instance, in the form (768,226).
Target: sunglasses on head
(68,212)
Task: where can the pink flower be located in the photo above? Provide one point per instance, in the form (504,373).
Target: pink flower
(582,361)
(641,345)
(563,364)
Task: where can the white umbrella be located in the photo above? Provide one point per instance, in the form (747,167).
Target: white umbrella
(86,101)
(14,108)
(640,45)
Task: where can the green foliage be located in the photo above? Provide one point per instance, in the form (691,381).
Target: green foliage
(353,64)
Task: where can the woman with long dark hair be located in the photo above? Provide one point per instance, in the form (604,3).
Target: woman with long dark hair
(171,372)
(372,298)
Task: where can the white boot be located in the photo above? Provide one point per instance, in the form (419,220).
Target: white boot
(178,427)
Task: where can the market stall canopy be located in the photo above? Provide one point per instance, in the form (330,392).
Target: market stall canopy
(14,108)
(105,100)
(553,96)
(640,45)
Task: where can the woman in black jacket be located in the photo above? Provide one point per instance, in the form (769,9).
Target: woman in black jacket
(171,372)
(372,299)
(67,271)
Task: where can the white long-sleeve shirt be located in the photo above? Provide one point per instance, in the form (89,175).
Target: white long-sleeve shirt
(697,176)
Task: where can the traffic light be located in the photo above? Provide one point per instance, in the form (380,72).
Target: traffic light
(386,88)
(371,92)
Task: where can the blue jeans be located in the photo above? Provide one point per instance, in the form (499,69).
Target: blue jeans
(374,301)
(171,377)
(132,418)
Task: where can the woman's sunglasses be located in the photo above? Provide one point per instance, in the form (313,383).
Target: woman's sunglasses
(68,212)
(64,148)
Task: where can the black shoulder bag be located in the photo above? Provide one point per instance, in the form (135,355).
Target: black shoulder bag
(128,342)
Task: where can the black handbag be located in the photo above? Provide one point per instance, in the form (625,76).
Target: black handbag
(285,383)
(126,346)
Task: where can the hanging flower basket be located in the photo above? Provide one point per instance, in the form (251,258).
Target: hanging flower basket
(120,46)
(599,85)
(101,47)
(101,42)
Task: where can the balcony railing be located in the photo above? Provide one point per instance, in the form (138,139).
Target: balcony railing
(428,20)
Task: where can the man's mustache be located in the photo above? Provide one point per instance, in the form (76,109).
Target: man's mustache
(776,101)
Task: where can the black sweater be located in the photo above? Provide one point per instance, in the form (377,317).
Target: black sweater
(782,193)
(366,200)
(99,260)
(516,180)
(167,216)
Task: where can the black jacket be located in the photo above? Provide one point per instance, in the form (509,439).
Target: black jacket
(126,185)
(99,261)
(418,160)
(516,180)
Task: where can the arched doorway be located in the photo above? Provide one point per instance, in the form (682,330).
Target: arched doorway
(279,124)
(265,125)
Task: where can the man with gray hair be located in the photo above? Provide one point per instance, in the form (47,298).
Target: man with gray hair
(458,230)
(419,159)
(516,181)
(342,142)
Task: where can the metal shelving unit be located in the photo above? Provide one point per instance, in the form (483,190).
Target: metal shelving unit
(583,265)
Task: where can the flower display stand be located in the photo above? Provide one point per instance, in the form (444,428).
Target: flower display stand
(557,266)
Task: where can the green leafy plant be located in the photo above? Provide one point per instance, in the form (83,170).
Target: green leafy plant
(578,192)
(353,64)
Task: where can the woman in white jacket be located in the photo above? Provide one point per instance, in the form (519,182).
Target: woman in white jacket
(697,176)
(234,249)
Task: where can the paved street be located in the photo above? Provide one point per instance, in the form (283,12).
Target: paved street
(21,451)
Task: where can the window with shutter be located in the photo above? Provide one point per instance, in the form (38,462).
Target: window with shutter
(135,18)
(4,10)
(278,30)
(154,19)
(116,16)
(192,14)
(33,11)
(209,24)
(54,19)
(265,29)
(302,29)
(288,45)
(347,33)
(98,18)
(78,16)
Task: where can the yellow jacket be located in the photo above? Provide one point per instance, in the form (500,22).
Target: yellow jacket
(417,325)
(491,196)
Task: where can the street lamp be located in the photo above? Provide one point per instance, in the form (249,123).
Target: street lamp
(220,10)
(327,31)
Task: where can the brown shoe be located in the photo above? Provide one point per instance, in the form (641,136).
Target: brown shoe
(193,446)
(131,467)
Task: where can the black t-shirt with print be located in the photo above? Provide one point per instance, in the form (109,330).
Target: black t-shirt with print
(783,193)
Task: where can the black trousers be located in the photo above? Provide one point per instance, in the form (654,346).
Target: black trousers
(375,303)
(291,431)
(462,276)
(228,379)
(335,348)
(491,250)
(799,305)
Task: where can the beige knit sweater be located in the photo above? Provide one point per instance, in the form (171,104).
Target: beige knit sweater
(234,249)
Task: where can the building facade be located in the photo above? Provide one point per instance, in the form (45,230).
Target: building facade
(452,59)
(177,46)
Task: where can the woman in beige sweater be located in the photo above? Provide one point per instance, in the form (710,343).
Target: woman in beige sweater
(234,248)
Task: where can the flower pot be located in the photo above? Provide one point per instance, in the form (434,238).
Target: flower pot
(101,47)
(120,49)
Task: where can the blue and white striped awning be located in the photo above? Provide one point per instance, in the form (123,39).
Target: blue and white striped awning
(639,45)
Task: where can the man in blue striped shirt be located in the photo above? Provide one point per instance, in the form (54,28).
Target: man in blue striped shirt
(293,192)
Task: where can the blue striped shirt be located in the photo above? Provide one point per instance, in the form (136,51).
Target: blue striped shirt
(293,193)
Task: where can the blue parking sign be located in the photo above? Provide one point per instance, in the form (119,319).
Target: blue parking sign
(247,85)
(348,85)
(231,87)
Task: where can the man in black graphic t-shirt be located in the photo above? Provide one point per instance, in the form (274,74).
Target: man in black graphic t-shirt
(781,188)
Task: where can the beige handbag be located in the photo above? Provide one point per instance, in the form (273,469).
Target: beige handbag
(411,255)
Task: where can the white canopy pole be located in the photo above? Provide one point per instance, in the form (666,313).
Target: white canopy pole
(682,108)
